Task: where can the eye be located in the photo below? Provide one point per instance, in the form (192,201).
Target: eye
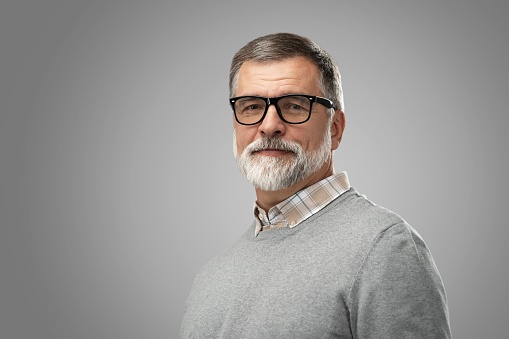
(295,105)
(250,106)
(294,108)
(253,107)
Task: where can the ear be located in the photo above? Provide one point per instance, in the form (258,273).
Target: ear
(337,128)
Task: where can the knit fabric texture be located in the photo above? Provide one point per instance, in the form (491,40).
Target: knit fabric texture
(353,270)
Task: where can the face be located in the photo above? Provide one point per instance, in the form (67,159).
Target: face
(273,154)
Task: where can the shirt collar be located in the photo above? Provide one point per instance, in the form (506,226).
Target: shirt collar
(302,205)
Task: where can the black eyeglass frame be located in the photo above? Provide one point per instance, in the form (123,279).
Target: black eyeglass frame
(273,101)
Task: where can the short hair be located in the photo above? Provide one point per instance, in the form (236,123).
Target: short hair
(281,46)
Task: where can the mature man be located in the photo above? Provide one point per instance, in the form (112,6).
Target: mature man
(320,260)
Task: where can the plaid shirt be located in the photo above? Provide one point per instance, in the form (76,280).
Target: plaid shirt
(301,205)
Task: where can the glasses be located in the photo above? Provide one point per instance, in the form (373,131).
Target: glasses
(292,109)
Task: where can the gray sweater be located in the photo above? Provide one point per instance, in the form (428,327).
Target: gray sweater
(353,270)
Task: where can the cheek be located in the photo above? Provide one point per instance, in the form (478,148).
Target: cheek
(242,139)
(318,133)
(315,141)
(311,140)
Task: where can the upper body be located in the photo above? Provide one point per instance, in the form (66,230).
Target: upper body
(348,269)
(351,270)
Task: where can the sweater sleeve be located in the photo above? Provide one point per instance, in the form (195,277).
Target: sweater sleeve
(398,292)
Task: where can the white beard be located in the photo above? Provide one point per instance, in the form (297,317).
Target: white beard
(270,173)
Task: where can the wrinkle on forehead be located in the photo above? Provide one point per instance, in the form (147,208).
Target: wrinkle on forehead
(289,76)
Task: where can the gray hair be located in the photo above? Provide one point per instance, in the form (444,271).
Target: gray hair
(281,46)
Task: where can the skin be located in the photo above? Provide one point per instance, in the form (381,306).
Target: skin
(272,79)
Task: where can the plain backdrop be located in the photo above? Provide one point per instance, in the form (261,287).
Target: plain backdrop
(117,180)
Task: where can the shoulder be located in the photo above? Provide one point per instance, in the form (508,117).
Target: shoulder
(368,233)
(352,213)
(396,287)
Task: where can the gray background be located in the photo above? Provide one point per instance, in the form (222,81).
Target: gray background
(117,180)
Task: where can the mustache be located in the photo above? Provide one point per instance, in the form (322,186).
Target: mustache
(273,143)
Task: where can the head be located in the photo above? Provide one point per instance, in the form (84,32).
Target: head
(281,46)
(273,153)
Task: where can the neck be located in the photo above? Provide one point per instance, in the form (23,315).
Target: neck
(268,199)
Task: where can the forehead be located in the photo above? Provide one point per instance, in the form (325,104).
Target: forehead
(296,75)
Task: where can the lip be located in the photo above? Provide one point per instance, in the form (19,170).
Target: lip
(272,152)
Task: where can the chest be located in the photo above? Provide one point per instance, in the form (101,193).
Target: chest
(274,293)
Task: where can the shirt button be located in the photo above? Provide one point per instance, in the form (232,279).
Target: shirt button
(293,222)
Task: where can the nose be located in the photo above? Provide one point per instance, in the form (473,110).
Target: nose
(272,125)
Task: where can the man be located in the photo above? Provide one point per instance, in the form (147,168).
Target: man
(320,260)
